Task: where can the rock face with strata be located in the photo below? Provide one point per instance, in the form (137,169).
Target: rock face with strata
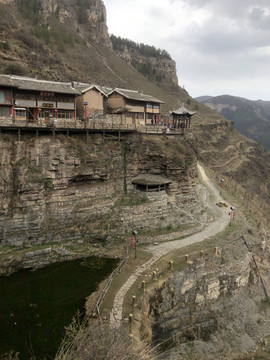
(63,188)
(211,303)
(164,67)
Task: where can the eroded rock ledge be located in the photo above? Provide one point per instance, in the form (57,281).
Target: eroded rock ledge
(65,189)
(209,310)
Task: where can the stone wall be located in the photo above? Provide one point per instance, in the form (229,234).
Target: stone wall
(158,212)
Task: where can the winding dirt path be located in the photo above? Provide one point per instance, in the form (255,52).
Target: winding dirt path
(218,225)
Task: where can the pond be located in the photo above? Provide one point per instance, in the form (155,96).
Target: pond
(35,306)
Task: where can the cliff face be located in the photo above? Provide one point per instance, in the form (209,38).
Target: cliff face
(211,310)
(68,40)
(89,20)
(63,188)
(159,69)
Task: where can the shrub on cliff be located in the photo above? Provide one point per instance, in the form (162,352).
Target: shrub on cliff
(99,341)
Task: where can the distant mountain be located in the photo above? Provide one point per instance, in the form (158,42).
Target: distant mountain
(204,98)
(251,118)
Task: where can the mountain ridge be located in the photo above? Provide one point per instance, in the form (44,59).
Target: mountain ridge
(250,117)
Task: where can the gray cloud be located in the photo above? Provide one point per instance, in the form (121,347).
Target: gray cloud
(219,46)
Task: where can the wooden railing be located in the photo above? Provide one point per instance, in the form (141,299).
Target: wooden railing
(99,124)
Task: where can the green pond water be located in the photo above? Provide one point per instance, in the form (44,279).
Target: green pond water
(36,306)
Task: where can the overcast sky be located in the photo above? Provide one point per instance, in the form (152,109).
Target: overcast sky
(220,46)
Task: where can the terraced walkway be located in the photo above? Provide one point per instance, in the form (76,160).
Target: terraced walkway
(218,225)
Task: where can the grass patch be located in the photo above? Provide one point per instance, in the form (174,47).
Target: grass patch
(133,200)
(265,305)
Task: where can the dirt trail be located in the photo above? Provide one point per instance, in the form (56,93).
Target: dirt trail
(221,221)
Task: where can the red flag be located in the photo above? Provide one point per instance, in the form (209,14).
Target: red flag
(132,241)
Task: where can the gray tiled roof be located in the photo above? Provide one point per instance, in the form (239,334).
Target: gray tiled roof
(183,111)
(72,88)
(6,80)
(149,179)
(135,95)
(25,83)
(84,87)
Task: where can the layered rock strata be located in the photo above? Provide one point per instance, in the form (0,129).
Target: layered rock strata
(63,188)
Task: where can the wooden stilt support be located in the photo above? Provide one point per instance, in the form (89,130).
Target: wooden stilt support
(130,319)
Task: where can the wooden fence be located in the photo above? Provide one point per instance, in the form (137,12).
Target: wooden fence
(96,312)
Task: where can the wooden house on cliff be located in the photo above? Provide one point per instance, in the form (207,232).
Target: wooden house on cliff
(32,99)
(23,98)
(92,99)
(7,87)
(138,108)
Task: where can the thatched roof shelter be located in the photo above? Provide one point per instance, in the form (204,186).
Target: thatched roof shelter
(149,182)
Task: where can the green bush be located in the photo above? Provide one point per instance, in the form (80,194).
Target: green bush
(15,69)
(29,40)
(30,9)
(4,45)
(145,50)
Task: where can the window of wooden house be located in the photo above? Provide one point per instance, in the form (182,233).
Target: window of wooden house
(46,98)
(20,114)
(5,111)
(26,96)
(65,114)
(65,99)
(5,97)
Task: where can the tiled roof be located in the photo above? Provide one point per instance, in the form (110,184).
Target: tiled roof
(6,80)
(84,87)
(72,88)
(149,179)
(135,95)
(183,111)
(25,83)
